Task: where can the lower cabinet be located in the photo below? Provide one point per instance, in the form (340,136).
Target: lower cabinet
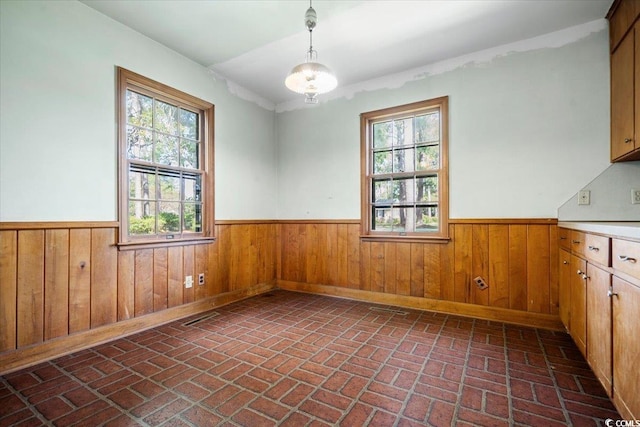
(599,332)
(599,296)
(626,348)
(578,307)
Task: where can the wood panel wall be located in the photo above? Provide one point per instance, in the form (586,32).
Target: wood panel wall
(60,281)
(516,258)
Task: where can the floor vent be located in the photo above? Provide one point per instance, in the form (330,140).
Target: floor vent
(200,319)
(389,310)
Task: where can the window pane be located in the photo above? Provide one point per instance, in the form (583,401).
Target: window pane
(169,217)
(383,192)
(192,217)
(382,134)
(189,154)
(192,188)
(382,162)
(427,127)
(169,188)
(166,118)
(403,190)
(139,109)
(189,124)
(139,144)
(166,150)
(428,158)
(403,131)
(142,218)
(142,185)
(427,189)
(427,219)
(403,160)
(383,219)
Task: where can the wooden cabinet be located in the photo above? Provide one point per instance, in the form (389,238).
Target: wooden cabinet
(578,306)
(564,289)
(599,294)
(599,332)
(626,348)
(625,80)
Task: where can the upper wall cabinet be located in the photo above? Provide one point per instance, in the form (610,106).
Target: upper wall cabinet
(625,79)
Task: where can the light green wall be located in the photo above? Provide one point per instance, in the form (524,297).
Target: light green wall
(527,129)
(57,131)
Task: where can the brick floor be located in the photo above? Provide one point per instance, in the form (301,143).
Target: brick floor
(293,359)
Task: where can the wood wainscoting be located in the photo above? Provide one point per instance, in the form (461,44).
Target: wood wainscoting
(65,286)
(516,258)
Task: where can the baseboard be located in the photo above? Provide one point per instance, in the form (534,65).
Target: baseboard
(28,356)
(517,317)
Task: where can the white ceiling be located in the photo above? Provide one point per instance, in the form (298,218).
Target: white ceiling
(255,43)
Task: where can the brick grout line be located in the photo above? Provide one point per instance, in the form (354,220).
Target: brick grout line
(456,408)
(565,412)
(507,372)
(425,359)
(24,400)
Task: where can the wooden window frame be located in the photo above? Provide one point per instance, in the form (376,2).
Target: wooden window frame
(366,121)
(129,80)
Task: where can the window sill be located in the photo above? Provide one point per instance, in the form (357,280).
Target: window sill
(151,244)
(405,239)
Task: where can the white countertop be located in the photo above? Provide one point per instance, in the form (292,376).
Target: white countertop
(629,230)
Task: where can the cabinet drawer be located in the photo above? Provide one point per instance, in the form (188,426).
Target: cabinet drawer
(626,257)
(577,242)
(564,238)
(596,249)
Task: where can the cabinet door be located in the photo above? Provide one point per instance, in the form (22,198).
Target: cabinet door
(578,322)
(626,348)
(622,98)
(599,325)
(564,290)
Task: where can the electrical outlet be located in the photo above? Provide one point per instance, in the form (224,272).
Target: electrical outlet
(188,282)
(584,197)
(635,196)
(482,285)
(201,279)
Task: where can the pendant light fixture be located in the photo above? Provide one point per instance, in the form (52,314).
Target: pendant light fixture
(311,78)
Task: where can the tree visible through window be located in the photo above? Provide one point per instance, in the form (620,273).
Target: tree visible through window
(405,191)
(166,168)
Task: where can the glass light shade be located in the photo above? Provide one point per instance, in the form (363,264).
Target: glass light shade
(311,78)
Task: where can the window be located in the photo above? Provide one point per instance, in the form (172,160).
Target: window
(404,171)
(165,163)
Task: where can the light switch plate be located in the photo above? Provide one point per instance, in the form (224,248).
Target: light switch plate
(584,197)
(635,196)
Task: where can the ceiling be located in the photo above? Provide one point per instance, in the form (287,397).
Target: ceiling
(255,43)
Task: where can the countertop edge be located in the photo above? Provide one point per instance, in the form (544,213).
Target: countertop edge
(625,230)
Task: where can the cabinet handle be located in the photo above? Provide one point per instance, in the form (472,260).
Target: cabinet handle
(575,241)
(565,262)
(579,272)
(610,293)
(625,258)
(585,277)
(593,248)
(628,140)
(563,238)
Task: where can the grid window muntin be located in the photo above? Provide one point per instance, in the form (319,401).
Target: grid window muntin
(166,164)
(405,176)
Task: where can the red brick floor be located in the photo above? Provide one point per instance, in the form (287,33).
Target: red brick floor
(293,359)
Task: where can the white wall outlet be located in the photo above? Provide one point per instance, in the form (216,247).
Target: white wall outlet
(584,197)
(188,281)
(201,279)
(635,196)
